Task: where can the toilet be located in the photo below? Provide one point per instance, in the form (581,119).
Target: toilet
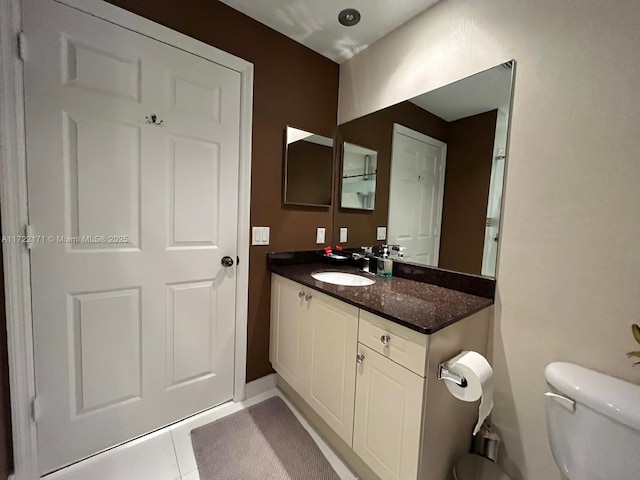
(593,423)
(476,467)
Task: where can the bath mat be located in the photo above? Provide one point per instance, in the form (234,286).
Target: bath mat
(262,442)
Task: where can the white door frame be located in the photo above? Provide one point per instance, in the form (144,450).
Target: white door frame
(13,199)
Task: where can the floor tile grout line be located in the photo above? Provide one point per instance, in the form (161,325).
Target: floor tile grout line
(175,452)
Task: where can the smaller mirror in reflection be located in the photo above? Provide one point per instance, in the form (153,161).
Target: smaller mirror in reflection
(308,169)
(358,184)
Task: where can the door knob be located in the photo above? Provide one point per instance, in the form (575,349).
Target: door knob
(385,339)
(300,294)
(360,358)
(227,261)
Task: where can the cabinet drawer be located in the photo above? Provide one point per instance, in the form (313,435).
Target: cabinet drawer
(404,346)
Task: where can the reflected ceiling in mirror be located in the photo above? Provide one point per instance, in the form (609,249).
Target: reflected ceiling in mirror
(440,173)
(308,168)
(358,182)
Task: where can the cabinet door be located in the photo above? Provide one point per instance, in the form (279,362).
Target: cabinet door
(331,328)
(286,330)
(388,416)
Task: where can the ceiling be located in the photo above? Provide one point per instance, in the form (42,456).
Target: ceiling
(476,94)
(314,23)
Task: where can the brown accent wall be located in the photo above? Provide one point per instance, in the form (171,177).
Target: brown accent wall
(375,131)
(292,86)
(466,192)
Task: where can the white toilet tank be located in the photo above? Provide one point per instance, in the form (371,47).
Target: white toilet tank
(593,421)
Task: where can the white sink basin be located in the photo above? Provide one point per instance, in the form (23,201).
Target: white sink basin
(340,278)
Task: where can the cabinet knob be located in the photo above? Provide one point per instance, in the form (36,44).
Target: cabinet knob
(360,358)
(300,294)
(385,339)
(308,297)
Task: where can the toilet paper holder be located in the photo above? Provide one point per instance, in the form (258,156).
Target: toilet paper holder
(445,374)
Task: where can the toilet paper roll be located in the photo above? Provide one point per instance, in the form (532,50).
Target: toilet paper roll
(479,374)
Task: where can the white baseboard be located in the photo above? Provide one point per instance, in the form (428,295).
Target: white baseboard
(260,385)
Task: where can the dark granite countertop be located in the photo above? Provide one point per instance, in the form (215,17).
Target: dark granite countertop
(419,306)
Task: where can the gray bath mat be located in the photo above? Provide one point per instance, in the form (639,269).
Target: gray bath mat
(262,442)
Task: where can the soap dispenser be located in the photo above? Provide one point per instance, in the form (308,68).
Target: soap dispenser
(385,264)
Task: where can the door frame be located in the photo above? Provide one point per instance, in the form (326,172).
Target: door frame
(13,203)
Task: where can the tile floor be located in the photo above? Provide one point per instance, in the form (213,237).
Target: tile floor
(167,454)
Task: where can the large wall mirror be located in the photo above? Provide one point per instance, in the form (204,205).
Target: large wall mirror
(439,173)
(308,168)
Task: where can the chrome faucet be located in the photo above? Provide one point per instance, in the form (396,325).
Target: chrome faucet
(365,251)
(393,250)
(364,256)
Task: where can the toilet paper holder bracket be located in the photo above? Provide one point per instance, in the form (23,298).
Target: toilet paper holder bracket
(445,374)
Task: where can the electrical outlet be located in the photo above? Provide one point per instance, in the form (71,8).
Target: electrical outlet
(343,234)
(381,233)
(260,236)
(320,235)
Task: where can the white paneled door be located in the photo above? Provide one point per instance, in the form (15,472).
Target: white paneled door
(132,163)
(418,164)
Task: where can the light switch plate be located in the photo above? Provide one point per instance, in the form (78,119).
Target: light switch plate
(320,235)
(381,233)
(343,234)
(260,236)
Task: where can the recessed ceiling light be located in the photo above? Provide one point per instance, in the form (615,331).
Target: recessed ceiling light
(349,17)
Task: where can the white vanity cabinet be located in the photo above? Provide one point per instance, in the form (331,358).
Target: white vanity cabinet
(374,382)
(313,348)
(287,343)
(390,387)
(388,415)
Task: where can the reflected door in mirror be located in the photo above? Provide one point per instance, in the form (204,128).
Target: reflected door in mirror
(416,194)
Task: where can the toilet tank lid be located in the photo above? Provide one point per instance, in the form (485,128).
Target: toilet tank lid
(607,395)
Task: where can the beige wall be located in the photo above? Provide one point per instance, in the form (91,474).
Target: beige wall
(569,265)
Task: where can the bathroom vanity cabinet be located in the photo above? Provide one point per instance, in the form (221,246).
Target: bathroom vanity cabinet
(390,388)
(374,382)
(313,348)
